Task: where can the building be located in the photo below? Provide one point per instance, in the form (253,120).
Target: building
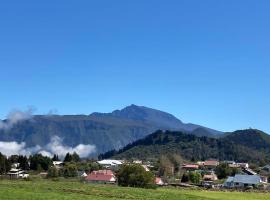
(242,181)
(190,167)
(210,177)
(17,173)
(58,164)
(110,164)
(82,174)
(101,176)
(243,165)
(211,164)
(159,181)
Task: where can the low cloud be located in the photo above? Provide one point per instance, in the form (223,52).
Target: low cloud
(16,116)
(55,146)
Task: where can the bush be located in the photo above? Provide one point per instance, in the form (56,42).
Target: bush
(195,177)
(134,175)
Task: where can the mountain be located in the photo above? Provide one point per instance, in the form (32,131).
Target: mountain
(243,146)
(104,130)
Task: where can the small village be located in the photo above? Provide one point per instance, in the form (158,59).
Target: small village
(208,174)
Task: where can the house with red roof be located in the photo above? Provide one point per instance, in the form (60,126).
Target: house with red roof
(211,163)
(101,176)
(190,167)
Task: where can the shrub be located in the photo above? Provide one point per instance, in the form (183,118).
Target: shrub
(134,175)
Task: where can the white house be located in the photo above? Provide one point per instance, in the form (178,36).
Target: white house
(17,173)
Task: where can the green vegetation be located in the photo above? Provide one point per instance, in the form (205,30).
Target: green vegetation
(74,190)
(251,146)
(134,175)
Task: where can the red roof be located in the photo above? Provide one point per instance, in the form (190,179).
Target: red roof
(211,163)
(101,175)
(191,166)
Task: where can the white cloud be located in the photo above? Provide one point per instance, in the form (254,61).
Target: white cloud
(14,117)
(54,147)
(12,148)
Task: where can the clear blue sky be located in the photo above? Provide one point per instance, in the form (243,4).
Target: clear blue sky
(206,62)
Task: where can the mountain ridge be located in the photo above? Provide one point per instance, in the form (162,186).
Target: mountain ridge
(104,130)
(248,145)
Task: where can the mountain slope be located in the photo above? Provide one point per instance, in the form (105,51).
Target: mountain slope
(243,146)
(105,130)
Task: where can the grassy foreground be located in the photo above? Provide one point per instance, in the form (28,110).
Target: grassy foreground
(74,190)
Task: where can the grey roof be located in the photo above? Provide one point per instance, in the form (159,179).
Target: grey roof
(229,179)
(246,179)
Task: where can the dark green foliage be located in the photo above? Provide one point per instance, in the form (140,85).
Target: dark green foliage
(70,170)
(72,157)
(24,164)
(53,172)
(223,171)
(5,165)
(185,178)
(134,175)
(68,157)
(39,162)
(195,177)
(55,157)
(13,158)
(242,147)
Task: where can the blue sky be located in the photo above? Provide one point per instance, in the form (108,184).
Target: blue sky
(206,62)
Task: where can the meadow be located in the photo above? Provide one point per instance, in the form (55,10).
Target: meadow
(76,190)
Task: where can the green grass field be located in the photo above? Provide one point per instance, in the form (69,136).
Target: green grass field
(75,190)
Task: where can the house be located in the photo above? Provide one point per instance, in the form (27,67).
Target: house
(190,167)
(58,164)
(158,181)
(82,174)
(146,168)
(137,161)
(15,165)
(243,165)
(101,176)
(242,181)
(210,177)
(110,164)
(17,173)
(211,164)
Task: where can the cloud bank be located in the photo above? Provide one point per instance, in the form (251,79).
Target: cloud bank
(55,146)
(15,117)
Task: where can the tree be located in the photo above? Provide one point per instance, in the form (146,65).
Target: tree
(185,178)
(72,157)
(70,170)
(53,172)
(39,162)
(24,164)
(55,157)
(223,171)
(166,167)
(75,157)
(134,175)
(195,177)
(68,157)
(4,164)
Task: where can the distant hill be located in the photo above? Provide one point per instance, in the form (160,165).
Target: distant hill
(105,130)
(244,146)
